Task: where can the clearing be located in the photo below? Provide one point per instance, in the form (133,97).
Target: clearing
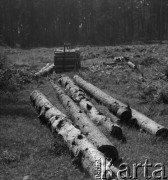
(29,150)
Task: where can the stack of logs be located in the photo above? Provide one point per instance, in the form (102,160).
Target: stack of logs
(81,133)
(87,143)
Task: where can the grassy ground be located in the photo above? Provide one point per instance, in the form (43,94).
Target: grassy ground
(29,150)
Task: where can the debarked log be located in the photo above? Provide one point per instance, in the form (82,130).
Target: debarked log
(81,120)
(45,70)
(149,125)
(79,96)
(131,65)
(140,119)
(85,153)
(41,70)
(118,108)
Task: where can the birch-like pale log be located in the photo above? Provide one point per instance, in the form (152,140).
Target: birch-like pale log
(131,65)
(41,70)
(45,70)
(79,96)
(143,121)
(118,108)
(82,121)
(84,152)
(47,65)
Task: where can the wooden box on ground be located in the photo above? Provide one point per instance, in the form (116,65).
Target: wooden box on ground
(68,60)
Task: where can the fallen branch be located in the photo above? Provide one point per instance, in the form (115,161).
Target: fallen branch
(87,127)
(119,109)
(84,152)
(45,70)
(80,97)
(140,119)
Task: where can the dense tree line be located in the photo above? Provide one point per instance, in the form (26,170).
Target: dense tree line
(52,22)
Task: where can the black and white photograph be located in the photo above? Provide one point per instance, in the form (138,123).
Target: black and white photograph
(83,89)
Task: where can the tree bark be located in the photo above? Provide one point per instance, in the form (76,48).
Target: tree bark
(79,96)
(81,120)
(140,119)
(85,154)
(115,106)
(45,70)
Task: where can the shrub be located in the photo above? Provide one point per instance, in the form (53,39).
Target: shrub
(12,79)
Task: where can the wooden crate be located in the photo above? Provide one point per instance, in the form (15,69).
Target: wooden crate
(66,61)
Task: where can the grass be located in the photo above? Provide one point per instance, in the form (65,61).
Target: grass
(125,85)
(28,149)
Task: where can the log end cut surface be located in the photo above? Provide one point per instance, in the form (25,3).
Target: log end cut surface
(162,133)
(124,113)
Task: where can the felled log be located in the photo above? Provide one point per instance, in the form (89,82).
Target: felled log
(87,127)
(79,96)
(47,65)
(46,70)
(131,65)
(149,125)
(85,154)
(115,106)
(41,70)
(140,119)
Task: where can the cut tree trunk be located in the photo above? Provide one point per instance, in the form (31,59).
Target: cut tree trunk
(118,108)
(41,70)
(79,96)
(131,65)
(45,70)
(85,154)
(87,127)
(149,125)
(140,119)
(47,65)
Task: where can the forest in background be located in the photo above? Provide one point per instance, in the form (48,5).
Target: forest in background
(33,23)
